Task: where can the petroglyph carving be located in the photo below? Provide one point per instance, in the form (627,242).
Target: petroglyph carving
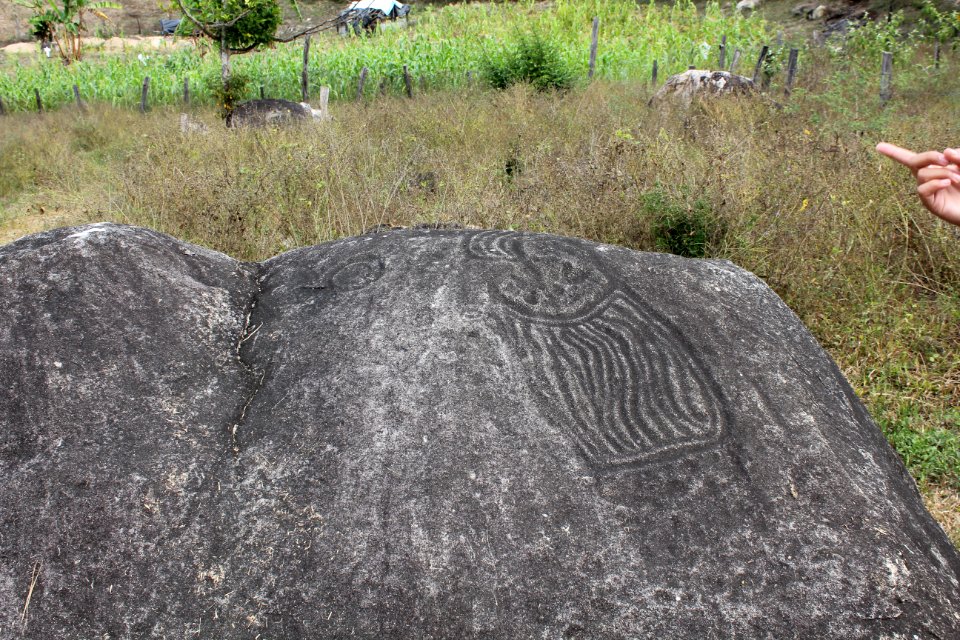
(618,376)
(357,273)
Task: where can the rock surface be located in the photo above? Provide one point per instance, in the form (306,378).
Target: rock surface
(698,82)
(438,434)
(269,111)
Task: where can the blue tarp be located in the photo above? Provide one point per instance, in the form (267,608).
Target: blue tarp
(390,8)
(169,27)
(364,13)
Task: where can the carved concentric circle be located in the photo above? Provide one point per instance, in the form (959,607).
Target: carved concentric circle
(357,273)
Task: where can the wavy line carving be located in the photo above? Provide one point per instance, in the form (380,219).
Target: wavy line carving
(618,377)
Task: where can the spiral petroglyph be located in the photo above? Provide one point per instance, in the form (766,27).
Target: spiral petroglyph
(619,377)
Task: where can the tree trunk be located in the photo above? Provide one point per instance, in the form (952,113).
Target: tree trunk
(224,64)
(225,61)
(225,67)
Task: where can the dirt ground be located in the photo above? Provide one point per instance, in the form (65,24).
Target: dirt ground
(138,17)
(108,45)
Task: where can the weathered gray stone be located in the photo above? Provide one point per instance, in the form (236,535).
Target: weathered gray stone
(695,83)
(269,111)
(438,434)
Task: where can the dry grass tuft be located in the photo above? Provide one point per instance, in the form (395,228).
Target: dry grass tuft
(944,504)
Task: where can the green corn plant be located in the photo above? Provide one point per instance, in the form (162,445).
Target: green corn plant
(446,44)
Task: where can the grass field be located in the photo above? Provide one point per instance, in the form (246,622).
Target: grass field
(790,189)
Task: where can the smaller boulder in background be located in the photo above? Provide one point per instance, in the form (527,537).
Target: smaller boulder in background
(269,111)
(699,82)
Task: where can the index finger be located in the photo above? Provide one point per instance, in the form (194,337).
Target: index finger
(909,158)
(901,155)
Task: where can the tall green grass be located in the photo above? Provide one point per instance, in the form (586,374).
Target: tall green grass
(440,46)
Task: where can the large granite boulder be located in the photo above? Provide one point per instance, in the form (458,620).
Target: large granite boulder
(438,434)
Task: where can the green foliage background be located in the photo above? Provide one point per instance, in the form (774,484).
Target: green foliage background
(257,26)
(440,48)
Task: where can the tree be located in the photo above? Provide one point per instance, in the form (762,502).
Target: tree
(64,22)
(236,26)
(939,26)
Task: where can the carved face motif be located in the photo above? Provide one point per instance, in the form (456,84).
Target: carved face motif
(616,376)
(552,280)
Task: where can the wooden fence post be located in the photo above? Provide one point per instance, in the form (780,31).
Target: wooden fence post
(886,78)
(653,75)
(735,59)
(593,47)
(305,74)
(143,94)
(324,102)
(3,109)
(408,81)
(759,67)
(36,94)
(363,80)
(723,52)
(186,92)
(936,55)
(791,70)
(263,93)
(76,96)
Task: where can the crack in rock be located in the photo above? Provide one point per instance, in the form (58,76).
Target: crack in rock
(254,376)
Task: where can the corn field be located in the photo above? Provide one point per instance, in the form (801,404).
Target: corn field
(442,47)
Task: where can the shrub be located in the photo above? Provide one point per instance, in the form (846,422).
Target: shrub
(532,59)
(873,37)
(940,26)
(227,96)
(680,229)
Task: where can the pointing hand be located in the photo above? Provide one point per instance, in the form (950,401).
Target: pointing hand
(938,178)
